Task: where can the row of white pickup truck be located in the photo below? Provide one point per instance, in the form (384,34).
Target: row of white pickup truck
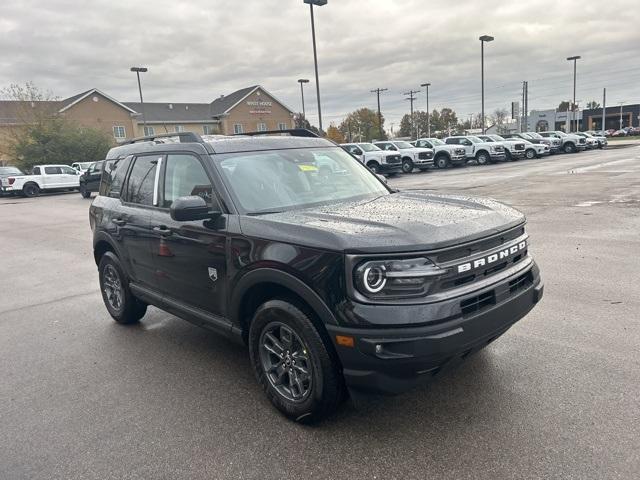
(42,178)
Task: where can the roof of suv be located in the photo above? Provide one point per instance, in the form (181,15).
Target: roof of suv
(216,144)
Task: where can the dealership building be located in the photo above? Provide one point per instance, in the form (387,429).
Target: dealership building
(616,117)
(245,110)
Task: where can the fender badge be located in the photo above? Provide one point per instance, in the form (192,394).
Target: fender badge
(213,274)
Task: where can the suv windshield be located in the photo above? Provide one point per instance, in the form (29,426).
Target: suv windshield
(273,181)
(403,144)
(368,147)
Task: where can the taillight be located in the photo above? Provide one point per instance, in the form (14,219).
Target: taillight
(11,180)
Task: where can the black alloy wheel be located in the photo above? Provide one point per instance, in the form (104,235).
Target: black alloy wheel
(31,190)
(407,165)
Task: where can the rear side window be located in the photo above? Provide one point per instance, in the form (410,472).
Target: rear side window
(141,182)
(113,177)
(185,176)
(35,171)
(452,141)
(52,171)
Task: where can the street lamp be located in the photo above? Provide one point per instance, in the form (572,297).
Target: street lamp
(302,81)
(427,85)
(139,70)
(315,54)
(483,39)
(573,107)
(621,104)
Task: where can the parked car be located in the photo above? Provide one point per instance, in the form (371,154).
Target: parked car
(537,140)
(592,142)
(570,143)
(534,150)
(513,149)
(412,157)
(555,144)
(376,159)
(90,179)
(337,285)
(81,166)
(6,172)
(479,150)
(619,133)
(44,178)
(444,156)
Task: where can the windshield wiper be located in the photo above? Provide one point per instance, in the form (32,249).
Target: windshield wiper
(263,212)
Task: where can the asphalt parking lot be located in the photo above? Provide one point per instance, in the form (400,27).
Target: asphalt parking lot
(558,396)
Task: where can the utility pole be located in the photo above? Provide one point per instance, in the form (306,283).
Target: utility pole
(573,106)
(526,106)
(411,99)
(604,108)
(427,85)
(377,92)
(522,127)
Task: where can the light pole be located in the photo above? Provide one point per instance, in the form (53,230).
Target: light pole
(573,106)
(315,54)
(302,81)
(139,70)
(483,39)
(621,104)
(427,85)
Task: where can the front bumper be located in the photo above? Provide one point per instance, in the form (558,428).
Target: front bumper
(421,163)
(519,154)
(390,168)
(497,156)
(393,360)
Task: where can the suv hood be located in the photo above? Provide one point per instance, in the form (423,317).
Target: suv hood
(402,222)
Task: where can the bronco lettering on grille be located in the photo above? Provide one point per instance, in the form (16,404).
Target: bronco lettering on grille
(494,257)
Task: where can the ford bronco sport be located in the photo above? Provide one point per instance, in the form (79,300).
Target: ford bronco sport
(337,283)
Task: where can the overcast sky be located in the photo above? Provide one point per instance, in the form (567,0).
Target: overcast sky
(199,49)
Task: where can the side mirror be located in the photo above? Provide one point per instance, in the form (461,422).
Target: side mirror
(185,209)
(382,178)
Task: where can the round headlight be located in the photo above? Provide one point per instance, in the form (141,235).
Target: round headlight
(374,278)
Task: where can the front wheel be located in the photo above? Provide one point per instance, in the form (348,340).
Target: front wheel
(374,167)
(569,148)
(407,165)
(292,363)
(530,154)
(482,158)
(442,161)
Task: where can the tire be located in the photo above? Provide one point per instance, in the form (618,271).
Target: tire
(530,154)
(442,161)
(483,158)
(116,294)
(30,190)
(374,167)
(508,157)
(407,165)
(282,333)
(84,192)
(569,148)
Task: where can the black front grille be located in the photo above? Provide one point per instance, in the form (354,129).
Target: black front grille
(519,146)
(393,159)
(475,304)
(460,151)
(499,148)
(425,155)
(483,245)
(582,140)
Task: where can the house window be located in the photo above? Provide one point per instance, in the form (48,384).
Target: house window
(179,128)
(237,128)
(207,129)
(148,131)
(119,132)
(282,126)
(262,127)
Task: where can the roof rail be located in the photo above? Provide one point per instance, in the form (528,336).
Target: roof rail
(184,137)
(294,132)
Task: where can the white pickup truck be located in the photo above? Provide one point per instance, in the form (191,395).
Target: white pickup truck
(43,178)
(374,158)
(412,157)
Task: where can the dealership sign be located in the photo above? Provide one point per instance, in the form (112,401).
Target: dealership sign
(260,106)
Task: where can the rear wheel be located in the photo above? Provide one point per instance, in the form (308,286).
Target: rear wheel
(292,363)
(407,165)
(508,156)
(116,294)
(31,190)
(530,153)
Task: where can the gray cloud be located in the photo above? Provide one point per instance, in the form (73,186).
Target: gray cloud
(200,49)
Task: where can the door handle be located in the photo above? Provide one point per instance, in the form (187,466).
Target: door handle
(163,230)
(119,221)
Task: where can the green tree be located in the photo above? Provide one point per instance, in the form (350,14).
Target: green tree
(593,104)
(363,125)
(565,106)
(41,135)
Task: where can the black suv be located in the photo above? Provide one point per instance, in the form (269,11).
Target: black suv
(337,283)
(90,179)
